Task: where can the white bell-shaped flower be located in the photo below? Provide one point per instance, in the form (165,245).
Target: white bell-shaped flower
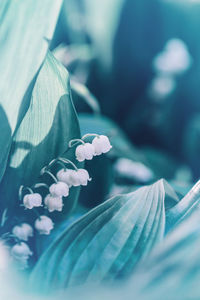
(101,144)
(23,231)
(85,151)
(32,200)
(82,177)
(59,189)
(44,225)
(65,176)
(53,203)
(21,251)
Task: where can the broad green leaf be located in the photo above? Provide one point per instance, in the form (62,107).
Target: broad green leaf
(105,243)
(48,125)
(172,270)
(26,30)
(186,206)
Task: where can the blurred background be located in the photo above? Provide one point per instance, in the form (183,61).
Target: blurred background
(141,60)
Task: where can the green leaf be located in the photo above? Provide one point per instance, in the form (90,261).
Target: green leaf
(186,206)
(26,29)
(106,243)
(48,125)
(82,91)
(172,270)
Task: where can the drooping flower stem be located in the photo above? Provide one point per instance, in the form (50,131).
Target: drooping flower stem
(36,212)
(75,142)
(89,135)
(39,185)
(51,175)
(67,161)
(22,188)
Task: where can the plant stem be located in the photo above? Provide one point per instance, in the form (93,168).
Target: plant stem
(52,176)
(67,161)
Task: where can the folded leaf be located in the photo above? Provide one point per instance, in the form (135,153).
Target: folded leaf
(186,206)
(172,270)
(106,243)
(25,32)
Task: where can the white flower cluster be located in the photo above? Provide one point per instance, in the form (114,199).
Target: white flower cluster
(74,177)
(53,201)
(21,251)
(99,145)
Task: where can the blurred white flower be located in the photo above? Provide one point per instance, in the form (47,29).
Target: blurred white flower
(101,144)
(4,256)
(74,177)
(32,200)
(59,189)
(23,231)
(133,170)
(53,203)
(85,151)
(44,225)
(161,86)
(174,59)
(21,251)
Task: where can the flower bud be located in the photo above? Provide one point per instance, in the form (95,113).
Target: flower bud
(59,189)
(53,203)
(44,225)
(23,231)
(101,144)
(21,251)
(85,151)
(32,200)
